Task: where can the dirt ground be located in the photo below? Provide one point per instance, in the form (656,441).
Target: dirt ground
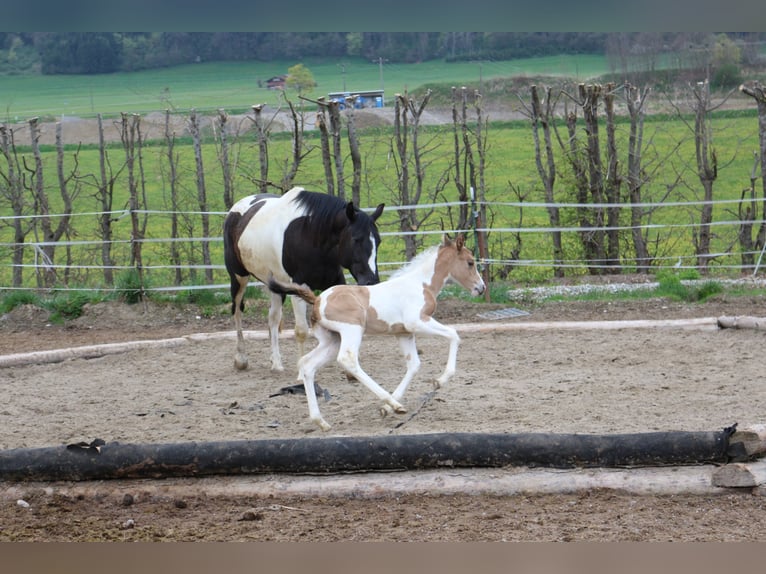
(584,380)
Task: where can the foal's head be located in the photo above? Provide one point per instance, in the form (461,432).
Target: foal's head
(457,260)
(358,245)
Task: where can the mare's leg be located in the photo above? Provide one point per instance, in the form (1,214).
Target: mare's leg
(238,287)
(275,325)
(310,363)
(348,358)
(433,327)
(300,308)
(410,353)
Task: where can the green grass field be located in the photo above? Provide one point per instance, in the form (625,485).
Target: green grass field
(234,85)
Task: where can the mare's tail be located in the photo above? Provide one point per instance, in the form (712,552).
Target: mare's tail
(301,291)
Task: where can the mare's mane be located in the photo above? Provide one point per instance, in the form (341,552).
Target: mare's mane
(321,210)
(420,260)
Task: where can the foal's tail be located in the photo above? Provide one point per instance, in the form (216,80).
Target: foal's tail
(301,291)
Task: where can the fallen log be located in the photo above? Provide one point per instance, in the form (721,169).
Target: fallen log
(506,481)
(104,349)
(362,454)
(758,323)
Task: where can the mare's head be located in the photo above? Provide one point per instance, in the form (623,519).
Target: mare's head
(358,245)
(457,260)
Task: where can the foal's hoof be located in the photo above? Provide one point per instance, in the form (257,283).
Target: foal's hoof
(387,409)
(323,424)
(240,362)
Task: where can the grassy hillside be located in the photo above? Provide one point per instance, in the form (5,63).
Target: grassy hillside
(235,85)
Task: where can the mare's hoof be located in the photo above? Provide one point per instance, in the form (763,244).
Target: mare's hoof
(240,363)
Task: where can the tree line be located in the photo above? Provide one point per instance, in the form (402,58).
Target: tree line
(107,52)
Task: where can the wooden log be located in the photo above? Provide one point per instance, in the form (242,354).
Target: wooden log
(94,351)
(363,454)
(747,443)
(656,480)
(737,322)
(702,323)
(740,474)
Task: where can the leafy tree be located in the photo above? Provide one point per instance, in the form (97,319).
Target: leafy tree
(300,78)
(726,62)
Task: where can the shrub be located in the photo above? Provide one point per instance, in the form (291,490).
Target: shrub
(129,287)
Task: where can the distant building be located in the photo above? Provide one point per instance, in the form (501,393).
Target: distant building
(276,83)
(368,99)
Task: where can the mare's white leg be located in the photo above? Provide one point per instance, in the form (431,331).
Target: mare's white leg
(409,350)
(275,325)
(310,363)
(433,327)
(240,359)
(300,308)
(348,358)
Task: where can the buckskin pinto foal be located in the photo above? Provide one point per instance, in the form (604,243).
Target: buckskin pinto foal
(401,306)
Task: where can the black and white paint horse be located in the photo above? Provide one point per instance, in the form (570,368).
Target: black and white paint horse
(303,237)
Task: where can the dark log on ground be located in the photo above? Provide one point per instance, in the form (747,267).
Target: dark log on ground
(362,454)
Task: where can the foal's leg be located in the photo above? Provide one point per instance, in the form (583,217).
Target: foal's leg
(300,308)
(275,325)
(348,358)
(310,363)
(433,327)
(240,359)
(409,350)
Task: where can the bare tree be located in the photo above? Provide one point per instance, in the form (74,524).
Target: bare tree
(707,168)
(586,164)
(636,100)
(105,198)
(223,158)
(612,184)
(12,190)
(412,167)
(130,135)
(470,157)
(299,151)
(68,194)
(51,234)
(194,128)
(758,92)
(356,156)
(542,115)
(172,162)
(324,143)
(261,134)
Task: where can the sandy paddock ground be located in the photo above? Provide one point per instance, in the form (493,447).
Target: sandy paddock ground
(510,379)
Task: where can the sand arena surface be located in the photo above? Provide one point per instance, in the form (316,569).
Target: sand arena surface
(508,380)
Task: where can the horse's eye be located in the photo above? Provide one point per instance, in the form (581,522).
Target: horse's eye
(470,264)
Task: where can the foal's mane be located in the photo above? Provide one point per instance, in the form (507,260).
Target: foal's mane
(419,260)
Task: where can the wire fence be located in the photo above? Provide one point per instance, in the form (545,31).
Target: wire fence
(513,251)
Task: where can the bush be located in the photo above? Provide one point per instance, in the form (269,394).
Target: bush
(16,299)
(67,305)
(129,287)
